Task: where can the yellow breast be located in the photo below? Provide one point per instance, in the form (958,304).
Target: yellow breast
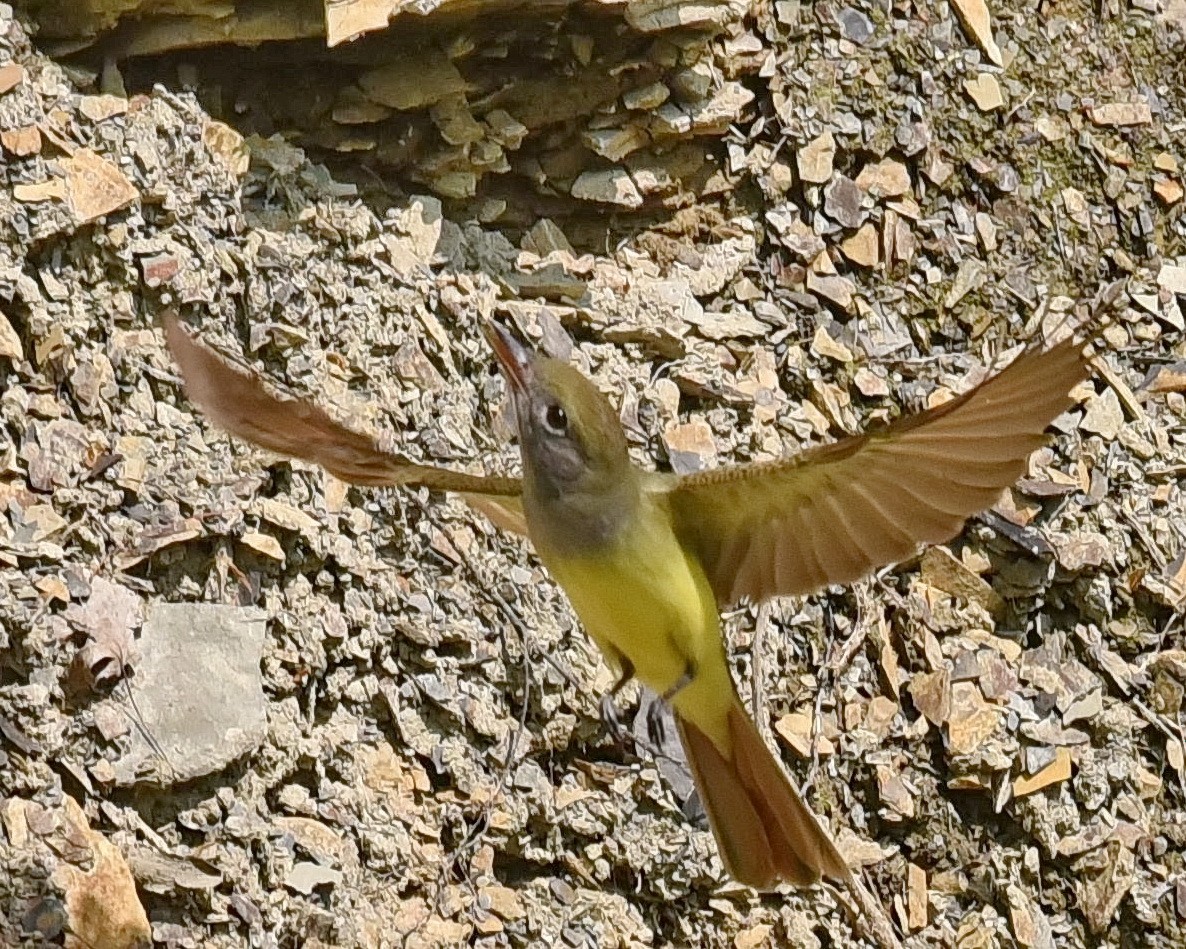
(643,596)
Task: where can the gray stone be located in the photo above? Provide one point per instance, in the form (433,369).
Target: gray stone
(198,696)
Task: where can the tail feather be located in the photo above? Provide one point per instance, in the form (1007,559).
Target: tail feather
(765,832)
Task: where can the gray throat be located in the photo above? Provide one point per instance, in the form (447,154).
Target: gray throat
(577,522)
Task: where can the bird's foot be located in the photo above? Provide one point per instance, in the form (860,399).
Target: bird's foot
(609,711)
(657,723)
(609,717)
(656,714)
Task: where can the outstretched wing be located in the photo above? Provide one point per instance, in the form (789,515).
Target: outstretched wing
(238,402)
(834,513)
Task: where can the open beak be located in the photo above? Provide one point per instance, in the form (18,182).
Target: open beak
(514,359)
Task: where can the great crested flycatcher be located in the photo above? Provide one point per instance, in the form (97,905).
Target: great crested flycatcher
(648,559)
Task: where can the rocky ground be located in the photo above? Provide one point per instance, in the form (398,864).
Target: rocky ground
(243,704)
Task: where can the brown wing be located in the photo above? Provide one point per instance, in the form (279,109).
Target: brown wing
(834,513)
(238,402)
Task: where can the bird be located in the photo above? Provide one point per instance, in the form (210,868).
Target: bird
(648,559)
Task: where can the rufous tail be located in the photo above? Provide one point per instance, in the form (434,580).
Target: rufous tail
(766,834)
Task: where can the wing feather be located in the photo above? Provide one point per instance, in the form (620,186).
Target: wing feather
(238,402)
(834,513)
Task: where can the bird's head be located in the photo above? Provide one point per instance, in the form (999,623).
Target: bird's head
(570,435)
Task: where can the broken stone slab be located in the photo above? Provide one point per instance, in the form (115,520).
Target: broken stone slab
(199,699)
(611,186)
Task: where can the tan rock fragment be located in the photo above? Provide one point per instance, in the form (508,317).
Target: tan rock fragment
(863,247)
(885,179)
(972,720)
(1164,161)
(796,729)
(870,384)
(654,16)
(916,897)
(976,20)
(970,276)
(95,186)
(1122,113)
(102,905)
(611,186)
(894,794)
(840,290)
(287,517)
(21,142)
(616,143)
(815,159)
(753,937)
(986,229)
(1170,378)
(941,569)
(11,76)
(985,91)
(646,97)
(1058,770)
(346,20)
(1172,277)
(1103,415)
(98,108)
(413,81)
(690,446)
(824,345)
(1169,191)
(455,122)
(1101,893)
(53,189)
(931,694)
(1030,925)
(264,544)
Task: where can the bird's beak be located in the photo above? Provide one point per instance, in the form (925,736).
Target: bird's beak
(514,359)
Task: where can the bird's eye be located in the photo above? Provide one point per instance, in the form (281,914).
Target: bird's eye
(556,419)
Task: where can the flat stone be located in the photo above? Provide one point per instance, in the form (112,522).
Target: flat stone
(690,446)
(824,345)
(616,143)
(842,201)
(863,248)
(942,570)
(95,185)
(931,694)
(200,702)
(1101,893)
(796,235)
(11,76)
(985,91)
(612,186)
(647,97)
(1122,113)
(972,721)
(870,384)
(797,729)
(1030,925)
(839,290)
(305,877)
(101,901)
(1169,192)
(21,142)
(413,81)
(854,25)
(1172,278)
(974,15)
(815,159)
(1103,415)
(885,179)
